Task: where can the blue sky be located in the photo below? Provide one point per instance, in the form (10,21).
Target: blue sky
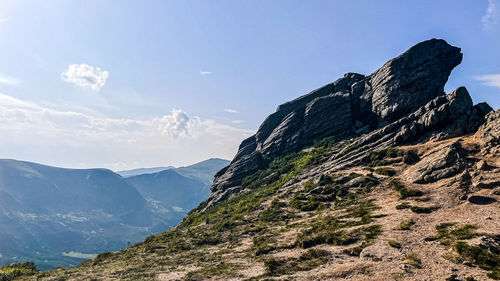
(126,84)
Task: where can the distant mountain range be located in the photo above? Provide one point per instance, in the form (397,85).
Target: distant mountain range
(56,216)
(140,171)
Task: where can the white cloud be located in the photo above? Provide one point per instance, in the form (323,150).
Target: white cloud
(205,72)
(237,121)
(177,123)
(2,20)
(68,138)
(231,110)
(84,75)
(489,79)
(490,18)
(4,79)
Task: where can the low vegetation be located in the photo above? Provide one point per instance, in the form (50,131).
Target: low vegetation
(404,192)
(453,235)
(413,259)
(308,260)
(406,224)
(11,271)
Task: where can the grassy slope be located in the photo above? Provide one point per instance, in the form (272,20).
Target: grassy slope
(284,227)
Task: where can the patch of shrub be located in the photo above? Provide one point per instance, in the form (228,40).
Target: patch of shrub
(422,210)
(305,204)
(406,224)
(404,205)
(14,270)
(264,243)
(394,244)
(385,171)
(403,191)
(413,260)
(477,255)
(380,157)
(448,233)
(275,212)
(310,259)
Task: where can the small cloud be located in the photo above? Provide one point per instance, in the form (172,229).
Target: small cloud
(492,80)
(205,73)
(177,124)
(4,79)
(86,76)
(237,121)
(2,20)
(229,110)
(490,18)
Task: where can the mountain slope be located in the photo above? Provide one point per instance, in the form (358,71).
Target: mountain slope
(183,188)
(140,171)
(55,216)
(409,193)
(52,210)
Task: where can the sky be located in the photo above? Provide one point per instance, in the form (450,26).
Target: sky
(128,84)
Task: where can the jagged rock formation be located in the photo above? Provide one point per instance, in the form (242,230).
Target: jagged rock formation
(404,98)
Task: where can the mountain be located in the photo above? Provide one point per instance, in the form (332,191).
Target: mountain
(55,216)
(46,211)
(204,170)
(182,188)
(140,171)
(374,177)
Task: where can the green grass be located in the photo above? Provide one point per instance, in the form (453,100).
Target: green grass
(483,258)
(422,210)
(413,259)
(404,192)
(384,157)
(452,235)
(406,224)
(385,171)
(275,212)
(449,233)
(394,244)
(305,204)
(14,270)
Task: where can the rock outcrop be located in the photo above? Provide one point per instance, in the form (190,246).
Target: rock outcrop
(443,163)
(402,101)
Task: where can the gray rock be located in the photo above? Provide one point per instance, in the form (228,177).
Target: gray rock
(355,105)
(491,243)
(489,132)
(439,164)
(409,81)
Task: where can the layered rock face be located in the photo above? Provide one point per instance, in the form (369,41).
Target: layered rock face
(401,101)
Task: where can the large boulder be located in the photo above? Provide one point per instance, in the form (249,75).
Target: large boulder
(439,164)
(409,81)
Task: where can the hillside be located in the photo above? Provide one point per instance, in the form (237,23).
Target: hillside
(61,217)
(141,171)
(379,177)
(179,188)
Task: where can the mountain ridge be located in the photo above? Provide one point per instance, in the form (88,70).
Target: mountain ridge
(89,209)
